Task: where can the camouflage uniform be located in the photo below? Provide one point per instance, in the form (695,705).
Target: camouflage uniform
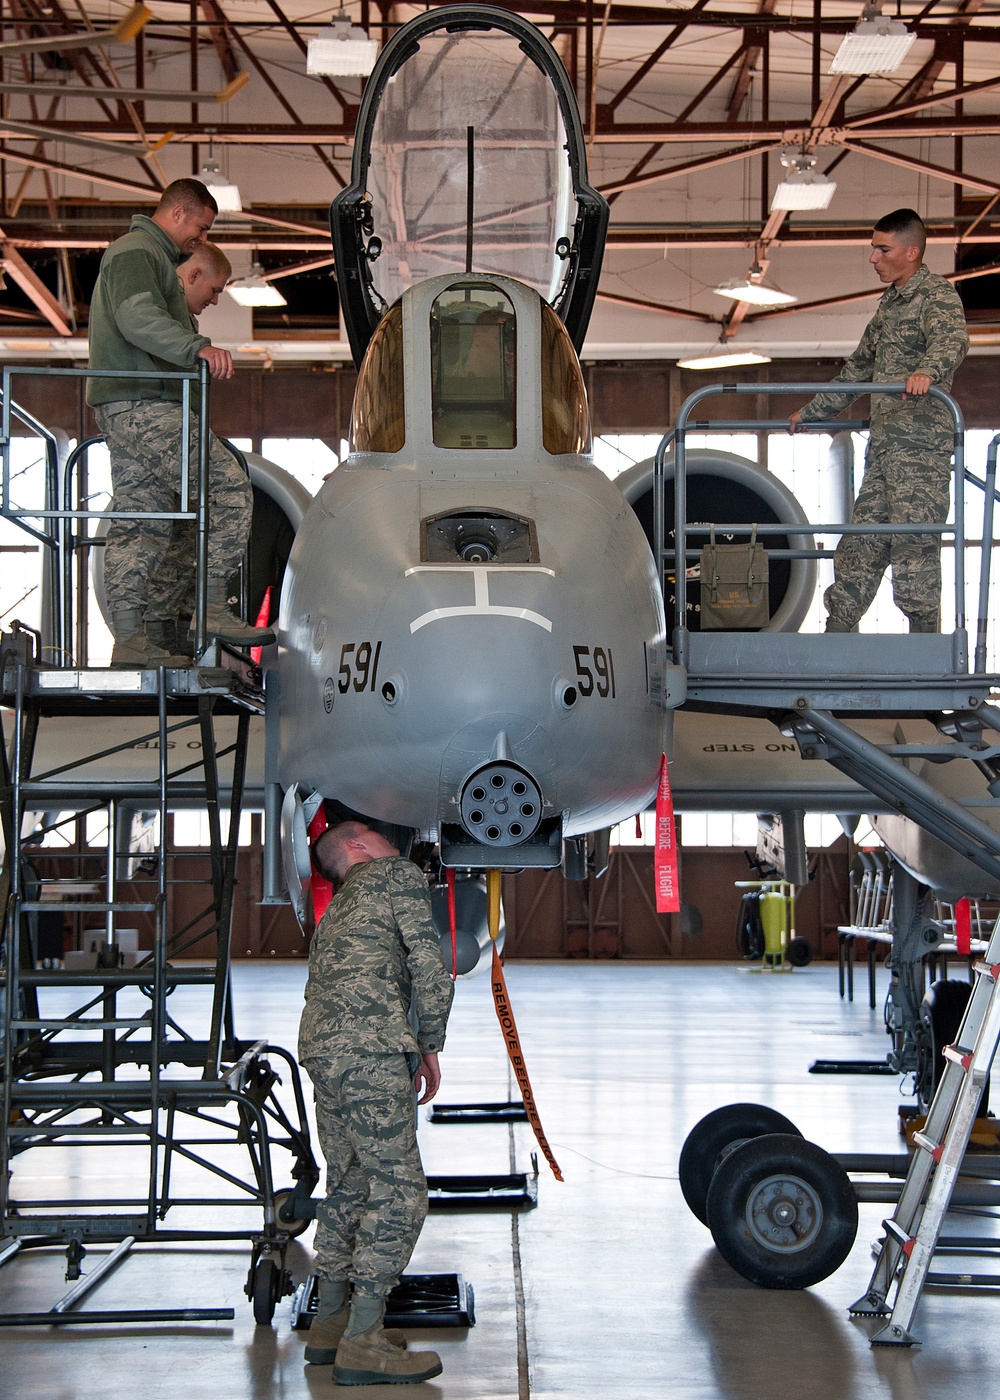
(149,564)
(374,956)
(139,323)
(918,328)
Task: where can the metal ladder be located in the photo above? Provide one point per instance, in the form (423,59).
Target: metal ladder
(913,1231)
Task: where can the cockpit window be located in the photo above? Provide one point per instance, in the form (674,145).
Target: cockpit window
(378,419)
(565,417)
(469,124)
(473,368)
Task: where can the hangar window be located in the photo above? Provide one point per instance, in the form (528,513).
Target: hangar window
(473,368)
(565,419)
(378,421)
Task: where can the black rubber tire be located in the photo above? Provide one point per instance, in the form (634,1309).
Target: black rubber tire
(941,1013)
(294,1227)
(782,1212)
(266,1286)
(799,953)
(718,1133)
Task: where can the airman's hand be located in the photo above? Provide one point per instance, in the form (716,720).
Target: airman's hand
(220,362)
(427,1080)
(795,423)
(917,384)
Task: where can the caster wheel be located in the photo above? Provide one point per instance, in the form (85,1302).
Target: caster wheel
(714,1137)
(265,1290)
(782,1212)
(295,1225)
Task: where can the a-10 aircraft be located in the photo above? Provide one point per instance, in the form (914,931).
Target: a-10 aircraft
(471,639)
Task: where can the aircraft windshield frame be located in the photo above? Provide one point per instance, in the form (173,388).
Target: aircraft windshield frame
(418,173)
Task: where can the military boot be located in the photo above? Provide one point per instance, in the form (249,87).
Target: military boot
(162,633)
(133,647)
(330,1324)
(222,622)
(369,1358)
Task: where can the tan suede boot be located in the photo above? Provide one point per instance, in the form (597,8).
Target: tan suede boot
(325,1334)
(222,622)
(371,1359)
(133,648)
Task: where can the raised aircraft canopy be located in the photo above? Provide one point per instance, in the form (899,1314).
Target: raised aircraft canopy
(468,157)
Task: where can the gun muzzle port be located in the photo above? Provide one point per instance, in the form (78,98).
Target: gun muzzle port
(506,798)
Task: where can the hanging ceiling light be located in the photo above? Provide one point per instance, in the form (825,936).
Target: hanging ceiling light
(225,194)
(255,290)
(341,49)
(803,187)
(877,44)
(754,289)
(724,357)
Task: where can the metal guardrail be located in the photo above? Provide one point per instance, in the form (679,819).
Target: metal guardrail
(680,553)
(58,514)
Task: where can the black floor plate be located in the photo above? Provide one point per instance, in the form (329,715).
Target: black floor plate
(852,1067)
(508,1112)
(419,1300)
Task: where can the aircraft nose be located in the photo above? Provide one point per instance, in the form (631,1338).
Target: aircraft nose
(501,804)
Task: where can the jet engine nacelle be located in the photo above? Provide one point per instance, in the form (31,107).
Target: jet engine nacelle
(723,487)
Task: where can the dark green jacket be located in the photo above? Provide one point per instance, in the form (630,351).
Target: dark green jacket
(374,957)
(138,317)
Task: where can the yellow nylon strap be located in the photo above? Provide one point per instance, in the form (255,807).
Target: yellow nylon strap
(493,903)
(507,1025)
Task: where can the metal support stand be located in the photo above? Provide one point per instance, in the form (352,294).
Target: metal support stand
(150,1077)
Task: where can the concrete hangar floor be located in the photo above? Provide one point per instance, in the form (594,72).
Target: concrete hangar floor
(610,1288)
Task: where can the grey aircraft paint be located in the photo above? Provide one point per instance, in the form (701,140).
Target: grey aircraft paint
(403,675)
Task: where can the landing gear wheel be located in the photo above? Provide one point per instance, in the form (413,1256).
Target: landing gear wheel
(265,1290)
(782,1212)
(941,1013)
(297,1224)
(714,1137)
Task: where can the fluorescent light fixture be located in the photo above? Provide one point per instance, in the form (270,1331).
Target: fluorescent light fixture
(255,291)
(341,50)
(803,187)
(877,45)
(226,195)
(754,289)
(724,357)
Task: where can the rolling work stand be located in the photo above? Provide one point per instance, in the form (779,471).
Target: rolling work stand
(137,1054)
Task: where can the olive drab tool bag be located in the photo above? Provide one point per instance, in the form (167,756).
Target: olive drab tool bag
(734,586)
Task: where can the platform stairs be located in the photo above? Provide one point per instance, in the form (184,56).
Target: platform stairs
(188,1132)
(820,689)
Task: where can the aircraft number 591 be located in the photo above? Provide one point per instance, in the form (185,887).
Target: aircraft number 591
(358,666)
(595,671)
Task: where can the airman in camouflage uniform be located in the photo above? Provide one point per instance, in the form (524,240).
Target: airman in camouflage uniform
(140,325)
(377,1003)
(916,336)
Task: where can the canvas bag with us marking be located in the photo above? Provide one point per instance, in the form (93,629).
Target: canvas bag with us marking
(734,586)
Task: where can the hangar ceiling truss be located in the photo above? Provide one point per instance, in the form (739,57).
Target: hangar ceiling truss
(92,125)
